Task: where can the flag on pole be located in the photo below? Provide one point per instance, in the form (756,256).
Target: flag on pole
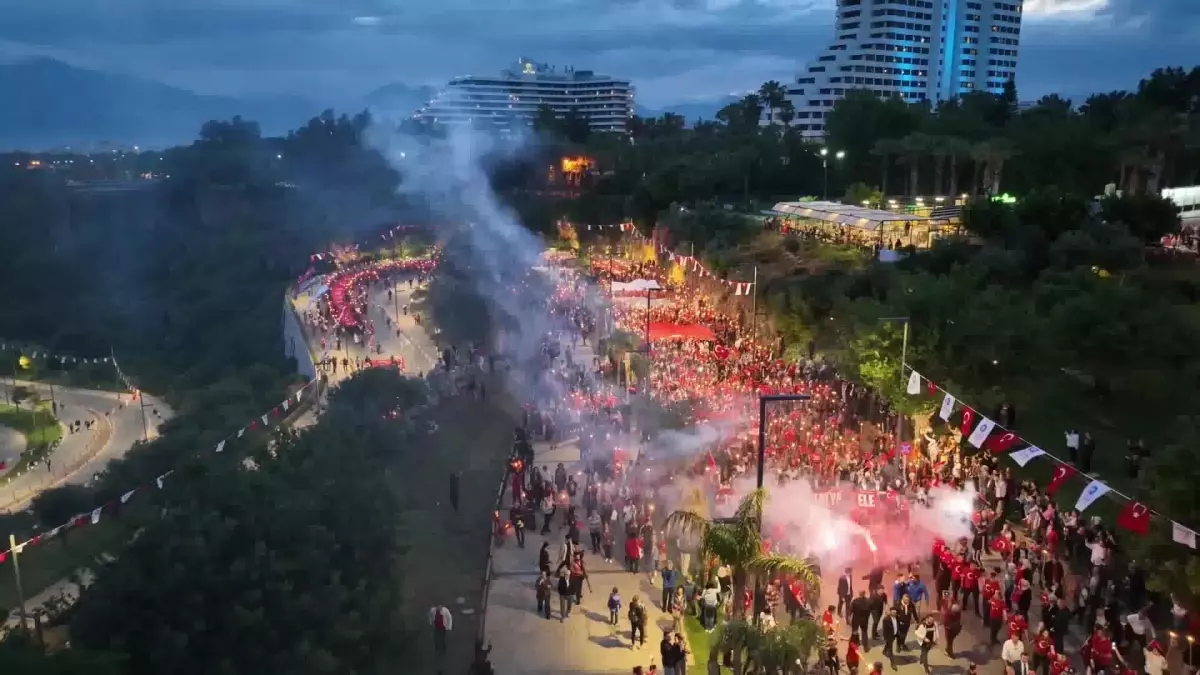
(982,431)
(1135,517)
(947,408)
(914,383)
(1062,473)
(1025,455)
(1183,535)
(1095,490)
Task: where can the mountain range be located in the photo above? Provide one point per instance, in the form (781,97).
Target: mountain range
(51,104)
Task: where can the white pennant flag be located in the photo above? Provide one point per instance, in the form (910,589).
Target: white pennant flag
(914,383)
(221,446)
(300,393)
(125,497)
(51,533)
(159,481)
(264,420)
(947,408)
(241,432)
(96,514)
(1025,455)
(286,402)
(982,431)
(1183,535)
(1095,490)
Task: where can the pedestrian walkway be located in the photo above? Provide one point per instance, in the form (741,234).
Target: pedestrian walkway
(525,642)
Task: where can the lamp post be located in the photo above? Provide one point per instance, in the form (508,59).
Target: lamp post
(903,365)
(762,469)
(840,154)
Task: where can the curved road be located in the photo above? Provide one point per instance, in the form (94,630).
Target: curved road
(116,426)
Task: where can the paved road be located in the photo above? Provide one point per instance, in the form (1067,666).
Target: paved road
(404,339)
(117,425)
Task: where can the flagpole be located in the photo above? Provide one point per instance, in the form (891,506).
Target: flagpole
(754,305)
(12,547)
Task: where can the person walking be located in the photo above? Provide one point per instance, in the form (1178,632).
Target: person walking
(927,634)
(543,589)
(565,595)
(614,606)
(442,622)
(637,623)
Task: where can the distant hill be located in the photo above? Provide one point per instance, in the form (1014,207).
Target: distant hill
(690,110)
(50,104)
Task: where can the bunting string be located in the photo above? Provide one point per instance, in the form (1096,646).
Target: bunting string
(982,432)
(268,419)
(690,264)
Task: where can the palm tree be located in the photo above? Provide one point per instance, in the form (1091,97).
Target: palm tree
(737,542)
(886,149)
(783,650)
(773,96)
(990,157)
(956,149)
(939,147)
(913,149)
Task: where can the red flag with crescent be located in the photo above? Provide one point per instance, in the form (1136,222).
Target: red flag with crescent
(1135,517)
(968,421)
(1001,442)
(1062,473)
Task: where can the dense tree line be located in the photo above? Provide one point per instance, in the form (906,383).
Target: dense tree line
(981,143)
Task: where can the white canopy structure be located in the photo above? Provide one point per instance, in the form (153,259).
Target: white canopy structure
(866,222)
(637,285)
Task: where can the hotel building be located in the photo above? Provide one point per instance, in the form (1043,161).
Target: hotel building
(516,94)
(919,50)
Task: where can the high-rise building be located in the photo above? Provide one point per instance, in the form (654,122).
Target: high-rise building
(515,96)
(919,50)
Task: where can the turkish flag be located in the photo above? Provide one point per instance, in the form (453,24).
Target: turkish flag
(968,421)
(1062,473)
(1135,517)
(1001,442)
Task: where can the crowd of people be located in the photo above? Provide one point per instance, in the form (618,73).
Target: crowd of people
(1029,573)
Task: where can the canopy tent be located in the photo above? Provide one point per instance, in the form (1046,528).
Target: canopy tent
(637,285)
(866,224)
(679,331)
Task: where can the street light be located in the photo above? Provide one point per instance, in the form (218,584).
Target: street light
(839,155)
(903,359)
(762,467)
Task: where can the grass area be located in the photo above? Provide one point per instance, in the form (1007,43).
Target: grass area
(41,431)
(449,549)
(50,562)
(700,641)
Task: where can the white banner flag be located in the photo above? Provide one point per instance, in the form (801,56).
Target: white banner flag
(947,408)
(241,432)
(159,481)
(125,497)
(96,515)
(300,393)
(914,383)
(221,446)
(1025,455)
(264,420)
(1183,535)
(286,403)
(982,431)
(1095,490)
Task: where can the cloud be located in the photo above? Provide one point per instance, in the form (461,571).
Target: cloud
(673,50)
